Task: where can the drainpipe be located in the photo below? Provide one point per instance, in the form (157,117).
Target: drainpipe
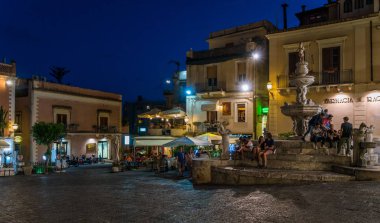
(371,48)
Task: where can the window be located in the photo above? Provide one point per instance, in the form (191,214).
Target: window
(103,121)
(212,76)
(226,108)
(240,114)
(347,7)
(359,4)
(331,65)
(212,117)
(18,121)
(241,72)
(61,114)
(61,118)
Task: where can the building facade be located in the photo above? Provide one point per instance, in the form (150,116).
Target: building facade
(7,93)
(227,82)
(92,118)
(343,52)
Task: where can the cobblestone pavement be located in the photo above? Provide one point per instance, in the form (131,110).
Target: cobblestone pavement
(93,194)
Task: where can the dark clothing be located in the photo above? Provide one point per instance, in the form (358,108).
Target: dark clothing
(316,119)
(269,142)
(181,157)
(346,129)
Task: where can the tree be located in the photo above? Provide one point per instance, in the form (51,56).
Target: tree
(58,73)
(3,120)
(46,133)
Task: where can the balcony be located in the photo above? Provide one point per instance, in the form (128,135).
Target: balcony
(175,131)
(216,55)
(321,78)
(104,129)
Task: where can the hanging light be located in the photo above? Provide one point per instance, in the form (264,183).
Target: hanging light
(269,86)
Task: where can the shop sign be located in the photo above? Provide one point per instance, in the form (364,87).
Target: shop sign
(338,100)
(373,99)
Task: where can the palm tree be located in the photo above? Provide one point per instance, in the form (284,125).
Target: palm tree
(3,120)
(58,73)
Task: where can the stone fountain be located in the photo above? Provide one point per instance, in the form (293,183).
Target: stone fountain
(301,111)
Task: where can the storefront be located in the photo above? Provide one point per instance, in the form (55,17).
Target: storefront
(8,164)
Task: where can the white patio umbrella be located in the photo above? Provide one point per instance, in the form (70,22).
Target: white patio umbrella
(209,137)
(175,112)
(3,144)
(155,112)
(187,141)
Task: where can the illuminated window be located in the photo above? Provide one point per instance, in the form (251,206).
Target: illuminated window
(226,108)
(240,112)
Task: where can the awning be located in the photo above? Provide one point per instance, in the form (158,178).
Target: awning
(150,114)
(208,107)
(175,112)
(4,144)
(151,141)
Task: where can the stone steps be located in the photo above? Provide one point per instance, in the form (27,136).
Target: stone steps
(253,176)
(359,173)
(300,161)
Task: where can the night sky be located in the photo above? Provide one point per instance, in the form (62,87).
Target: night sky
(122,46)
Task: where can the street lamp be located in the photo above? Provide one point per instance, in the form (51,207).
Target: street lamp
(244,87)
(188,92)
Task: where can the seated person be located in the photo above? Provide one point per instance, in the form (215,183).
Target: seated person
(247,146)
(268,149)
(260,147)
(318,135)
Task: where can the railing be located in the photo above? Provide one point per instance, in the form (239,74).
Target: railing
(179,131)
(203,87)
(240,49)
(321,78)
(104,129)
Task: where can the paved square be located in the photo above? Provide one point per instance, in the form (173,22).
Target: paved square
(93,194)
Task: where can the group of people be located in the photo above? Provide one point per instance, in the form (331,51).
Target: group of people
(261,149)
(322,131)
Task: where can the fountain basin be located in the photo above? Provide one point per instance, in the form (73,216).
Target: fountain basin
(299,110)
(303,81)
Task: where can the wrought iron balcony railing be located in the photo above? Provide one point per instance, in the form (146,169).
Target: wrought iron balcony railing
(321,78)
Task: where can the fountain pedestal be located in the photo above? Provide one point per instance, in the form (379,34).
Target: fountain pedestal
(302,111)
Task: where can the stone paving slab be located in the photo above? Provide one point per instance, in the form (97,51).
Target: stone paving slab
(93,194)
(252,176)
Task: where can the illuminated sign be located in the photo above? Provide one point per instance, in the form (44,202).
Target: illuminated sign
(18,139)
(265,110)
(373,99)
(142,129)
(338,100)
(126,140)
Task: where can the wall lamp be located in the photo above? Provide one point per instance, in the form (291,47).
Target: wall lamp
(269,87)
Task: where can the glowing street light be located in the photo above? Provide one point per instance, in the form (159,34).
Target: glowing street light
(9,83)
(255,56)
(245,87)
(167,81)
(188,92)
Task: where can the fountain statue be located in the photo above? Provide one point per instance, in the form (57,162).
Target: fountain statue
(301,111)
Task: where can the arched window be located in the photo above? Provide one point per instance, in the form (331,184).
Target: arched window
(347,6)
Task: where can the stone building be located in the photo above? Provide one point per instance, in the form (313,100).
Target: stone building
(342,47)
(92,118)
(7,92)
(227,82)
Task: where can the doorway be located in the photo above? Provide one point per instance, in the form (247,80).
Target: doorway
(103,149)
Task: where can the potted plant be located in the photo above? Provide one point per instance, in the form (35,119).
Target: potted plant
(115,167)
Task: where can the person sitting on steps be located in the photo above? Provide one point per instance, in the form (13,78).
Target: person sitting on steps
(260,147)
(269,149)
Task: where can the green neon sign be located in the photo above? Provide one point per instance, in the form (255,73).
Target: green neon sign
(265,110)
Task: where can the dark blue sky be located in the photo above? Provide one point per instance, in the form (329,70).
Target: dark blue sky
(122,46)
